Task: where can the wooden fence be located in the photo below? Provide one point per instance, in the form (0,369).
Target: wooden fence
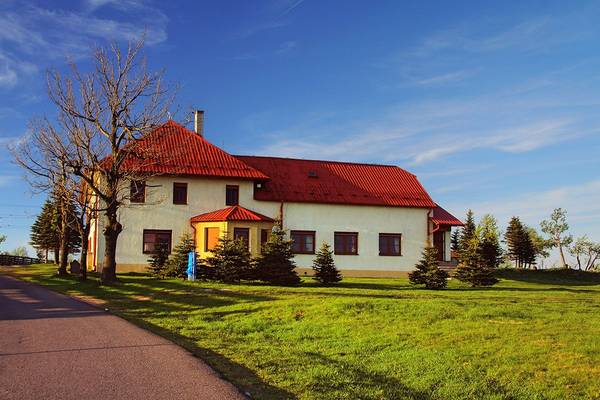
(17,260)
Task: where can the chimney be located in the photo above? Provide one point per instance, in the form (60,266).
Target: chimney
(199,122)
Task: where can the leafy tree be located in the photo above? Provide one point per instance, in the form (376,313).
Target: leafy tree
(586,252)
(556,227)
(275,263)
(540,244)
(20,251)
(158,262)
(474,268)
(324,267)
(428,272)
(230,262)
(176,265)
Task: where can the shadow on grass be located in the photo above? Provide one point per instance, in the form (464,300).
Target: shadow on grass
(382,386)
(569,277)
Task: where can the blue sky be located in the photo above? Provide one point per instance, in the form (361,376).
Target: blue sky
(494,105)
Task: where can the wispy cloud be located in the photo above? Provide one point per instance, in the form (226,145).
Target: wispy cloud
(441,79)
(31,34)
(274,16)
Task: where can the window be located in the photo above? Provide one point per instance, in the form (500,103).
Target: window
(211,238)
(390,244)
(303,242)
(232,195)
(242,233)
(153,239)
(264,236)
(137,192)
(346,243)
(179,193)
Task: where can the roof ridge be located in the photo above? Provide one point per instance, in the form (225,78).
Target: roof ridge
(326,161)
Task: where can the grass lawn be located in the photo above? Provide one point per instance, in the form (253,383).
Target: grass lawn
(533,336)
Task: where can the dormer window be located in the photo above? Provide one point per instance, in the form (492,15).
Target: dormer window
(232,195)
(313,174)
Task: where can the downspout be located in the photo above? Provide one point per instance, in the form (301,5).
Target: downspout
(281,214)
(194,229)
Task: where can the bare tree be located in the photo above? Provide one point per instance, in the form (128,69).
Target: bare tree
(556,227)
(102,115)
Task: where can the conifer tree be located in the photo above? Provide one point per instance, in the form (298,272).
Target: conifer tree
(472,269)
(467,234)
(324,267)
(455,240)
(489,245)
(230,262)
(275,263)
(158,262)
(44,231)
(176,265)
(428,272)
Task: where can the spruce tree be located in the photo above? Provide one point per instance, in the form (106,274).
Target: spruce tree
(176,265)
(324,267)
(230,262)
(427,272)
(514,241)
(489,246)
(472,268)
(275,263)
(467,234)
(455,240)
(44,231)
(158,262)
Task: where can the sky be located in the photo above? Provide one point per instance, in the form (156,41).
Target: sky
(495,106)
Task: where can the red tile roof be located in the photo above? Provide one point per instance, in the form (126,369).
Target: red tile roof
(443,217)
(337,183)
(172,149)
(234,213)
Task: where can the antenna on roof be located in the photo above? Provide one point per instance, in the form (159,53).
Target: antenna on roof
(169,115)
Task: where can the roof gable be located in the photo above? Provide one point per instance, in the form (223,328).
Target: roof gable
(443,217)
(335,182)
(233,213)
(175,150)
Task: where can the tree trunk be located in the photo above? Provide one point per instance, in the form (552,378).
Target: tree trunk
(56,254)
(46,256)
(562,256)
(111,233)
(64,240)
(84,250)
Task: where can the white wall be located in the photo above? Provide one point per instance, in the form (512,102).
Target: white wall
(204,195)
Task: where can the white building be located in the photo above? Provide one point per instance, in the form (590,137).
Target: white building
(377,218)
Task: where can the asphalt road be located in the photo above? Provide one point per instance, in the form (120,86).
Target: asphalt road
(56,347)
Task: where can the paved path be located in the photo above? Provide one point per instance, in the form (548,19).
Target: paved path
(55,347)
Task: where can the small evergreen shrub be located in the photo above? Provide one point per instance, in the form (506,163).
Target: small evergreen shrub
(473,267)
(428,272)
(176,265)
(230,262)
(324,267)
(157,262)
(275,264)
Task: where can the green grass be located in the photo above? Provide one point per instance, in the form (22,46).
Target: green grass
(536,335)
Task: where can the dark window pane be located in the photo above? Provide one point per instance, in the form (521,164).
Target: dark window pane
(137,192)
(346,243)
(389,244)
(232,195)
(179,193)
(303,242)
(241,233)
(155,239)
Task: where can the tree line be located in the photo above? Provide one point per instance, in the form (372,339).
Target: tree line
(479,251)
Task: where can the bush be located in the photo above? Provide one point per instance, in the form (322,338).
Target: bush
(230,262)
(275,264)
(158,262)
(176,265)
(324,267)
(428,272)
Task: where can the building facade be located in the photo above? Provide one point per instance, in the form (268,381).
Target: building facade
(377,218)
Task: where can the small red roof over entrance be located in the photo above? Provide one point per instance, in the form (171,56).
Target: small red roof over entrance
(313,181)
(234,213)
(175,150)
(443,217)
